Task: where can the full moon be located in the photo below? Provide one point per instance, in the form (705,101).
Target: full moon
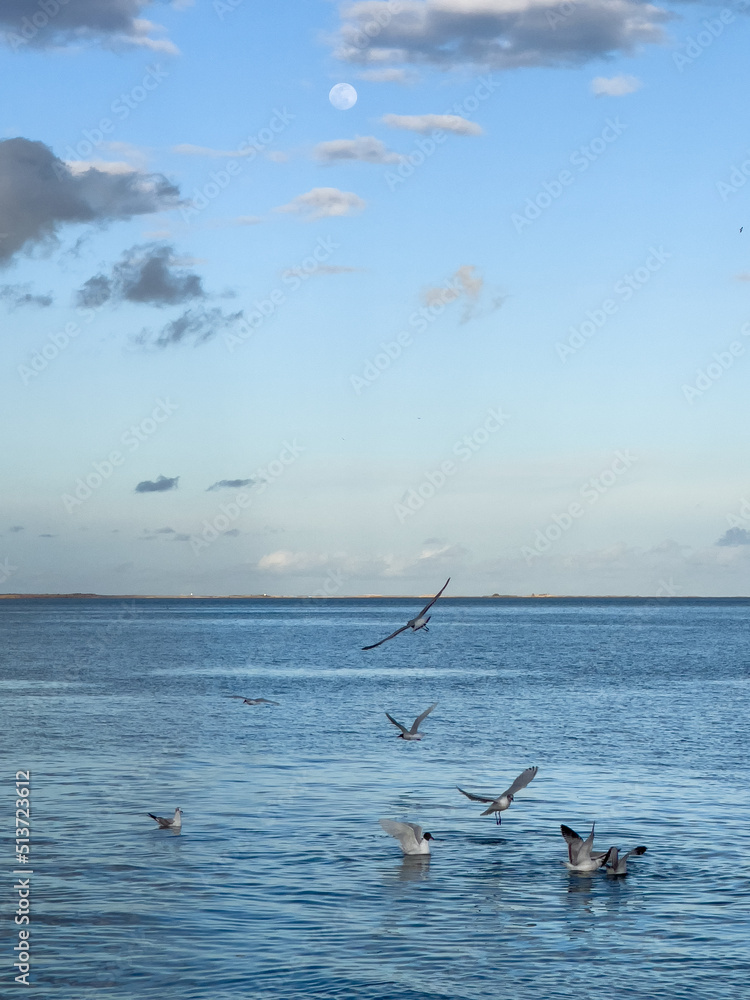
(343,96)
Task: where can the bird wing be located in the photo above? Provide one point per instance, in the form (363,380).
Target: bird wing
(420,718)
(241,696)
(403,833)
(417,830)
(392,636)
(574,842)
(267,701)
(403,729)
(428,606)
(477,798)
(522,780)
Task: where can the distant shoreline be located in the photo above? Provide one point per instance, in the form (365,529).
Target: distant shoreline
(364,597)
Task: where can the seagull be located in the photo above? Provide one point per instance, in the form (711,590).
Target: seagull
(412,734)
(253,701)
(619,865)
(580,856)
(169,824)
(499,803)
(416,623)
(409,836)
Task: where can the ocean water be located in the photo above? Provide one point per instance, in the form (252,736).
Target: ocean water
(282,886)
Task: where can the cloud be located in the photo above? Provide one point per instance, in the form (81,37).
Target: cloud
(146,274)
(164,531)
(112,23)
(429,123)
(365,148)
(494,34)
(197,324)
(305,273)
(248,220)
(233,532)
(230,484)
(387,76)
(735,536)
(21,295)
(188,149)
(47,535)
(181,538)
(615,86)
(324,202)
(40,194)
(160,485)
(16,528)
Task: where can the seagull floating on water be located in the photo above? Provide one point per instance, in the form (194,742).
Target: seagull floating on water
(617,865)
(169,824)
(409,836)
(253,701)
(412,734)
(499,803)
(416,623)
(581,857)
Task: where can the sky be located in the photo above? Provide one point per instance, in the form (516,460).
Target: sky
(490,321)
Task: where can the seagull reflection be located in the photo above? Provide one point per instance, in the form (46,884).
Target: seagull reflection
(414,868)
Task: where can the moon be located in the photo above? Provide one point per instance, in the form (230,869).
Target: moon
(343,96)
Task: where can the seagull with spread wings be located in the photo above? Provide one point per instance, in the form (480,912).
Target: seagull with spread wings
(416,623)
(409,836)
(499,803)
(581,856)
(618,865)
(412,734)
(175,823)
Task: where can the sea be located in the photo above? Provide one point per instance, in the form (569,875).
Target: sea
(281,884)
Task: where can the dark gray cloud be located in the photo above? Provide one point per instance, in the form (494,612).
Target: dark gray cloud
(197,325)
(165,531)
(181,538)
(735,536)
(494,34)
(70,22)
(233,532)
(149,274)
(47,535)
(230,484)
(159,485)
(40,193)
(21,295)
(16,527)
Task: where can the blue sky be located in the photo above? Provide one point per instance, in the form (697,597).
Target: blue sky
(567,412)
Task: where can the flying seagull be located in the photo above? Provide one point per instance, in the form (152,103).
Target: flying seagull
(412,734)
(253,701)
(499,803)
(581,857)
(169,824)
(409,835)
(617,865)
(416,623)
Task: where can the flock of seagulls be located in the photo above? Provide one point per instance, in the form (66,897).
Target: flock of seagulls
(413,841)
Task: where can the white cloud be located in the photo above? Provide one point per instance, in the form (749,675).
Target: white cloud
(365,148)
(324,202)
(615,86)
(428,123)
(387,76)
